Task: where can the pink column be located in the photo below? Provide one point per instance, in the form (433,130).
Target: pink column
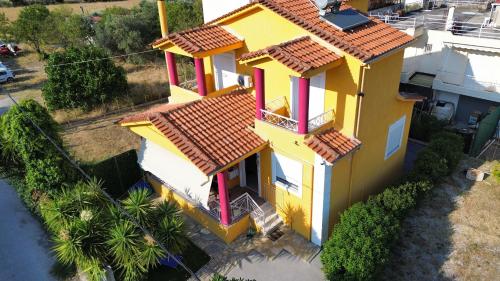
(225,208)
(260,97)
(303,105)
(200,76)
(173,78)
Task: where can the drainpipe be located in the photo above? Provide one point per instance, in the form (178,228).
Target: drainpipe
(359,104)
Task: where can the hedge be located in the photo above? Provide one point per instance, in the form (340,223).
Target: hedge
(117,173)
(360,243)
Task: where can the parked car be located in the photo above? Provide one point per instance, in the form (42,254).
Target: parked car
(9,49)
(6,75)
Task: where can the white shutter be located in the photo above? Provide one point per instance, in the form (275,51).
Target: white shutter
(317,95)
(395,137)
(289,170)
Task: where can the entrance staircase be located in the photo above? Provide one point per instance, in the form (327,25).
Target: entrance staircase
(266,218)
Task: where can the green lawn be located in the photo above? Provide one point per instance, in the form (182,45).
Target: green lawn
(194,258)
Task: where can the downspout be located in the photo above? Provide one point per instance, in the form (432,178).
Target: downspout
(359,103)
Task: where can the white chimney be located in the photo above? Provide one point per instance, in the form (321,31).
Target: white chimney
(213,9)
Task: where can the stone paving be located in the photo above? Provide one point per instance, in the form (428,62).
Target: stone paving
(225,257)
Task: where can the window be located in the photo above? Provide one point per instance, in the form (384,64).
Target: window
(3,73)
(287,174)
(395,137)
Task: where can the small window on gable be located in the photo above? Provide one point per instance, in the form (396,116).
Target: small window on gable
(395,137)
(287,174)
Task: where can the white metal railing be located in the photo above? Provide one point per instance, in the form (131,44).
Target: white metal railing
(437,22)
(240,206)
(320,120)
(189,84)
(280,121)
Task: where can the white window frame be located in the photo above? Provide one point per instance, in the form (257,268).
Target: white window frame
(396,130)
(283,184)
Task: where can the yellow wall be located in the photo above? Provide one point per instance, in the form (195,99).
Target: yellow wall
(226,233)
(361,5)
(295,211)
(339,194)
(380,109)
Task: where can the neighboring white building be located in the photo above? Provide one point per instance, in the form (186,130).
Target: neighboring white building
(458,49)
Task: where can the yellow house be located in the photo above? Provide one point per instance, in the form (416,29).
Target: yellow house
(295,114)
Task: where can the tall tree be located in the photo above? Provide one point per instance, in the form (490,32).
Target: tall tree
(68,29)
(31,26)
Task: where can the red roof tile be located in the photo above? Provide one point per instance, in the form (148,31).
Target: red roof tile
(332,145)
(300,55)
(213,132)
(201,39)
(364,42)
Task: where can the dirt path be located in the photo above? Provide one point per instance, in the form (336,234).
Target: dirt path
(454,234)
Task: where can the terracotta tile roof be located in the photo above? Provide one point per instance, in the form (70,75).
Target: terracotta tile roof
(213,132)
(201,39)
(363,42)
(332,145)
(300,55)
(145,115)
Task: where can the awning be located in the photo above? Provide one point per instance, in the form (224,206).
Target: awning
(422,80)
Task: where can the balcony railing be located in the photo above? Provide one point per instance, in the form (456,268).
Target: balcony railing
(320,120)
(275,109)
(436,22)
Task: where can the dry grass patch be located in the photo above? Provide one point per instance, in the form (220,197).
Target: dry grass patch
(99,140)
(454,234)
(13,12)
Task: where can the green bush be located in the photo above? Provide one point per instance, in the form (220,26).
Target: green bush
(359,245)
(82,85)
(448,146)
(429,166)
(45,169)
(424,126)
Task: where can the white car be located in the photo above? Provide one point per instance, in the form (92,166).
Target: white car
(6,75)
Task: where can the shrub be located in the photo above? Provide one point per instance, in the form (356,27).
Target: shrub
(429,166)
(448,146)
(45,169)
(360,243)
(424,126)
(31,26)
(496,172)
(82,85)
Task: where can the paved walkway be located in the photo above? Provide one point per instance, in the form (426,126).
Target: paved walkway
(290,258)
(24,247)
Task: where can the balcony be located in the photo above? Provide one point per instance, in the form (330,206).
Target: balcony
(278,113)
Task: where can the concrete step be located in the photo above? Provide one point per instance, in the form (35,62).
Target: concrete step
(260,221)
(268,228)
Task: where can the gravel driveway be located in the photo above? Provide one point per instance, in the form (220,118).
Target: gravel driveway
(24,246)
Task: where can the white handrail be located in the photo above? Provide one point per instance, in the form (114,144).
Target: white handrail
(320,120)
(279,120)
(242,205)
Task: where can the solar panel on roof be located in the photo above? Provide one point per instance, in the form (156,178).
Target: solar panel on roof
(346,19)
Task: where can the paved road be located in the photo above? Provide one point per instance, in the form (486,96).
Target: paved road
(285,266)
(5,103)
(24,247)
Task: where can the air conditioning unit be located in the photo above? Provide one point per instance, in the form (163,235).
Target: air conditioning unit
(245,81)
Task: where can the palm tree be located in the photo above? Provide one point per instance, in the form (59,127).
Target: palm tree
(170,227)
(140,206)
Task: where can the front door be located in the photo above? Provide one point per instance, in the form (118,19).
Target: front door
(225,70)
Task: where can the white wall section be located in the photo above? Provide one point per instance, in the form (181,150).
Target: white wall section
(180,174)
(321,200)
